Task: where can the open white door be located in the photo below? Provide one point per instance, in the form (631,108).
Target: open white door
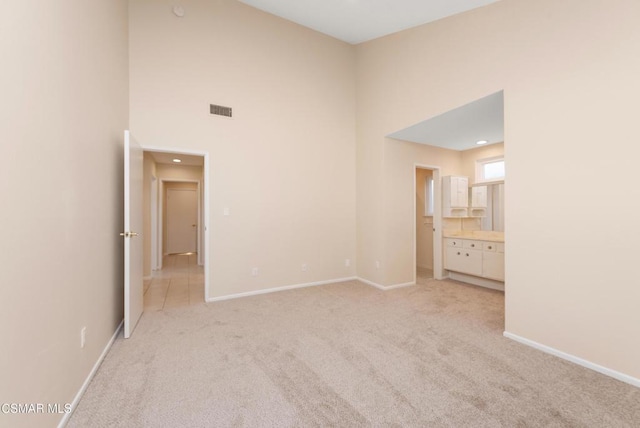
(133,287)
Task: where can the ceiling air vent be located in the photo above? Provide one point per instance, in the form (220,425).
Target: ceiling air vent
(220,110)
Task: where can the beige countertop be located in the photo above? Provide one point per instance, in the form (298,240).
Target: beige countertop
(479,235)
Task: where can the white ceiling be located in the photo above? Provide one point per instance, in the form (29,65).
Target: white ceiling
(357,21)
(462,127)
(167,158)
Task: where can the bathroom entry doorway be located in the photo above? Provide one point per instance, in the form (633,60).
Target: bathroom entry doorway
(427,223)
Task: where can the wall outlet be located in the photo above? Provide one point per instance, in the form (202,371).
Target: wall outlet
(377,264)
(254,271)
(304,267)
(347,262)
(225,211)
(83,336)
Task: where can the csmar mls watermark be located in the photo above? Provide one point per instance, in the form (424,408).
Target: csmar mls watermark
(34,408)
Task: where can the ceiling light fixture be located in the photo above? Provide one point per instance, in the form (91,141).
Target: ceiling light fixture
(481,142)
(176,160)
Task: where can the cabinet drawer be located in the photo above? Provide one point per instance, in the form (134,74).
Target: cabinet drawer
(472,245)
(490,246)
(451,242)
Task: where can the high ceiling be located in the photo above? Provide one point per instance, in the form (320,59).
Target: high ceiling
(357,21)
(462,127)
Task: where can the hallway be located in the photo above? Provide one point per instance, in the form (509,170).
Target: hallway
(179,283)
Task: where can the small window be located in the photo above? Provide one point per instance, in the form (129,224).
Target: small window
(491,169)
(428,196)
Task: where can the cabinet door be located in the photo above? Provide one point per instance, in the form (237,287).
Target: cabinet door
(493,265)
(461,194)
(479,197)
(453,259)
(454,196)
(463,260)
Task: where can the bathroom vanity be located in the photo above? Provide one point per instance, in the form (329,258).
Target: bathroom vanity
(475,257)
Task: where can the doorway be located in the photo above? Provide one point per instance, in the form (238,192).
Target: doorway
(176,206)
(181,219)
(427,255)
(424,223)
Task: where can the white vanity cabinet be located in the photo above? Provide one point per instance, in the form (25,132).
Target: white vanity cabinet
(455,196)
(493,260)
(484,259)
(463,256)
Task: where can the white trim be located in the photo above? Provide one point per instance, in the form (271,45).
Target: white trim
(576,360)
(476,280)
(206,214)
(87,381)
(385,287)
(480,180)
(155,251)
(276,289)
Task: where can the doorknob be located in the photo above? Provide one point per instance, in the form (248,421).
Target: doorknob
(193,225)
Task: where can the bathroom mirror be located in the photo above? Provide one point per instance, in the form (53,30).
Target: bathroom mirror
(494,219)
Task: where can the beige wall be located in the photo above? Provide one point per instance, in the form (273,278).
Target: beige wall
(284,165)
(396,192)
(64,89)
(179,172)
(569,70)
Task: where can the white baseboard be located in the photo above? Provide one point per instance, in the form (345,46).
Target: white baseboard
(576,360)
(276,289)
(476,280)
(385,287)
(87,381)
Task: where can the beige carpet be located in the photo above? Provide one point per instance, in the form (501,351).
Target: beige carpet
(345,355)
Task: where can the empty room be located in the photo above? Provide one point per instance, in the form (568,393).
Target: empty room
(355,257)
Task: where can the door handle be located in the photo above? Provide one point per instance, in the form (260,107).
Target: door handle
(128,234)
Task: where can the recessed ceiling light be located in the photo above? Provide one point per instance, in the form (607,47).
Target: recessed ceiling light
(176,160)
(481,142)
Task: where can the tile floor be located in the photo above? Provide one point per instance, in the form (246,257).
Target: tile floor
(424,273)
(179,283)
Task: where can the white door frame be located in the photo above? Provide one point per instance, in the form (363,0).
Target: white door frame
(204,247)
(438,271)
(155,256)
